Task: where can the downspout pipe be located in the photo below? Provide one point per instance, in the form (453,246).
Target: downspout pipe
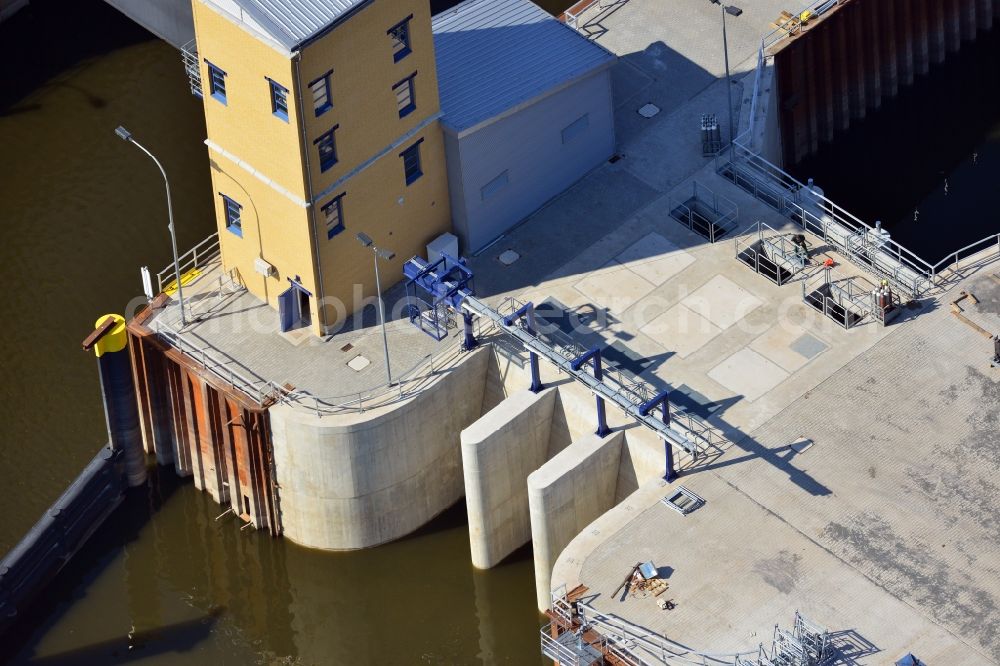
(311,205)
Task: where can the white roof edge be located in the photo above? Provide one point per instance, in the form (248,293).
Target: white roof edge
(243,20)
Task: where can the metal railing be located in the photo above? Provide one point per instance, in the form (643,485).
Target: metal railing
(264,391)
(629,638)
(774,256)
(856,240)
(572,14)
(189,56)
(202,254)
(774,186)
(706,213)
(626,387)
(979,247)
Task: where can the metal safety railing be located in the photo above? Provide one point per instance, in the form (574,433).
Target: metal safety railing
(264,391)
(770,253)
(706,213)
(198,257)
(634,641)
(982,246)
(856,240)
(772,185)
(189,56)
(571,16)
(627,385)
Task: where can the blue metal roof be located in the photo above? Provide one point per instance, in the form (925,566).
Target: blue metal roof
(292,23)
(495,54)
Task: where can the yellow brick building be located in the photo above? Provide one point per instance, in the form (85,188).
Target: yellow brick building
(323,121)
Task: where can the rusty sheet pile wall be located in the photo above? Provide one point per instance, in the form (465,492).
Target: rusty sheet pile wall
(209,430)
(843,64)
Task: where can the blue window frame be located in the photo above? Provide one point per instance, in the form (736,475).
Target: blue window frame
(327,147)
(411,162)
(234,213)
(216,82)
(279,99)
(406,100)
(321,94)
(399,35)
(333,212)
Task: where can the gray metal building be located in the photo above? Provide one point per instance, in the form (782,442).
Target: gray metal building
(527,111)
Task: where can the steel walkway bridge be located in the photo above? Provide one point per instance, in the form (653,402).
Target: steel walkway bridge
(448,282)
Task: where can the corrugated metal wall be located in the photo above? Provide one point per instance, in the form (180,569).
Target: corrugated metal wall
(170,20)
(528,146)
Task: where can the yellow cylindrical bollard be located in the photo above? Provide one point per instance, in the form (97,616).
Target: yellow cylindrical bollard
(121,411)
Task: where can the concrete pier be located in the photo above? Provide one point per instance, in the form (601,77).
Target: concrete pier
(565,495)
(499,451)
(363,479)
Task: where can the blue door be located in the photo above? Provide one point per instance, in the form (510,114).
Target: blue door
(288,305)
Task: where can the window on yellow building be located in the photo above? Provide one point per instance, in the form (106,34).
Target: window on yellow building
(399,35)
(234,215)
(279,99)
(406,100)
(327,147)
(321,94)
(334,214)
(411,162)
(216,82)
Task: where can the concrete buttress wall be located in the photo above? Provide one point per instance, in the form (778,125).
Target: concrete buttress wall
(359,480)
(565,495)
(499,451)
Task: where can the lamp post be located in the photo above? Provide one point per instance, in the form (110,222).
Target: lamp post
(734,11)
(378,252)
(126,136)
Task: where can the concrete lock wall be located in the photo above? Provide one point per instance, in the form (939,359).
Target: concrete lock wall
(499,451)
(565,495)
(360,480)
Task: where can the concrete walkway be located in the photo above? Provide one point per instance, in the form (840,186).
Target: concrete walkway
(896,553)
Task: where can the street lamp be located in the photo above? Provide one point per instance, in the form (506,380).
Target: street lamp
(378,252)
(733,11)
(126,136)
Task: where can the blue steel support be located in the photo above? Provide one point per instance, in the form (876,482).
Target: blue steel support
(470,341)
(662,401)
(577,363)
(528,312)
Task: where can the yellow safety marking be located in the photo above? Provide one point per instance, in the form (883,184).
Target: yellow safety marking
(186,279)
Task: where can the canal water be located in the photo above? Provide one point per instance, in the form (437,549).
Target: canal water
(928,163)
(165,581)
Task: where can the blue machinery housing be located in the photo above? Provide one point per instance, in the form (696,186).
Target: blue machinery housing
(449,284)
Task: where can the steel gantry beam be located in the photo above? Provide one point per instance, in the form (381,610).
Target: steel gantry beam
(599,387)
(449,280)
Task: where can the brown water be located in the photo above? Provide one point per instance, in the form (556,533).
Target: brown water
(80,212)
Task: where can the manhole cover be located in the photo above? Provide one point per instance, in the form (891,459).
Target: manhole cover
(648,110)
(507,257)
(347,347)
(358,363)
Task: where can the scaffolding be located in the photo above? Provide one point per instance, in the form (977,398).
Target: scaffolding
(705,213)
(806,644)
(771,253)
